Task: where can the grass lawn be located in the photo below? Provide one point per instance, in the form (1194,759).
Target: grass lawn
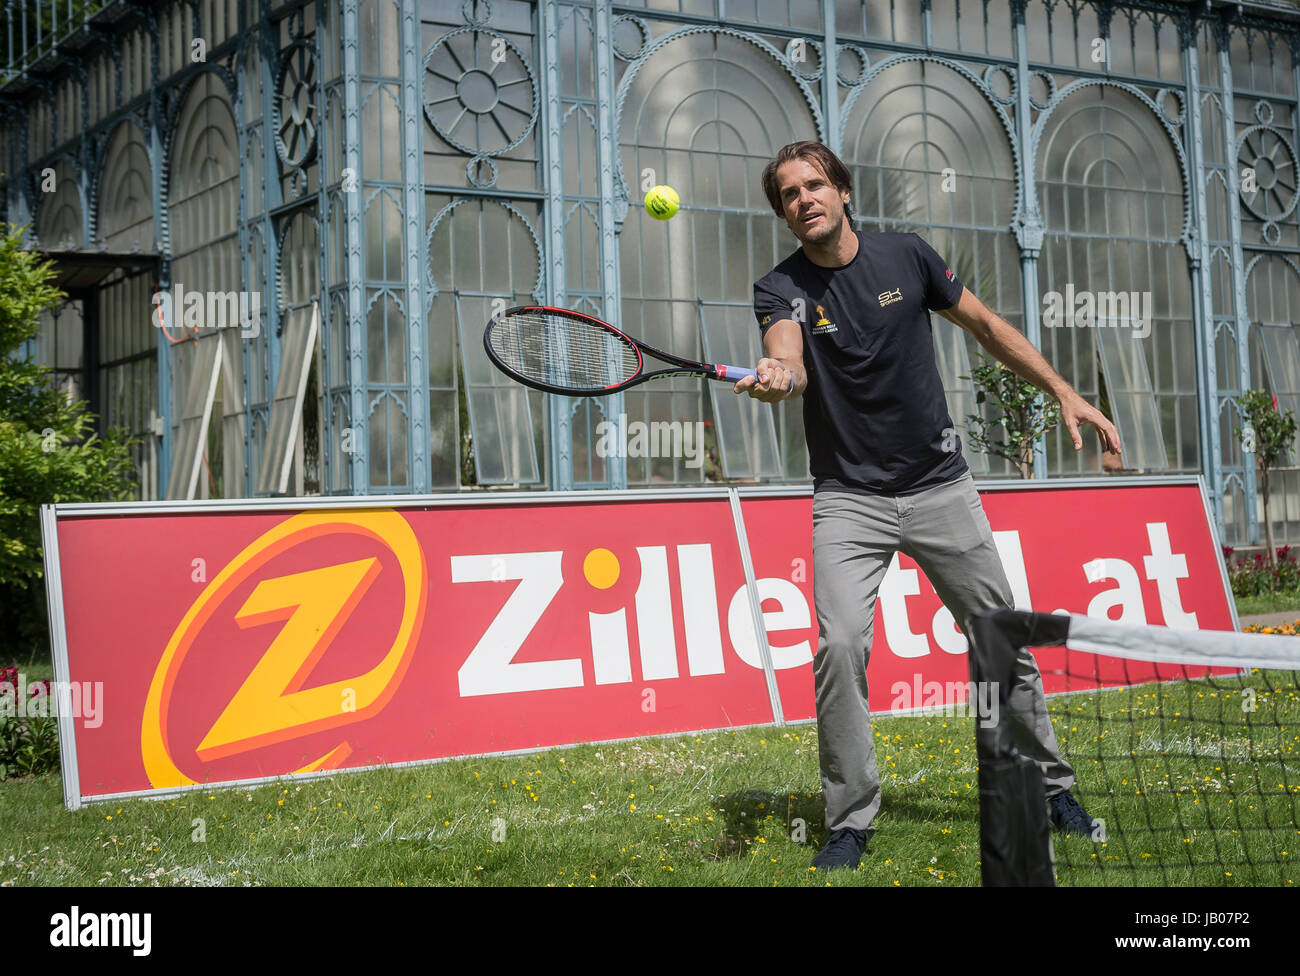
(732,808)
(1269,603)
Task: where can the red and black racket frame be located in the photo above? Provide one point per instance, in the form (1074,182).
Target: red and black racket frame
(685,367)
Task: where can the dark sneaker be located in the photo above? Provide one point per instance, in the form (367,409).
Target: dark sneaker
(843,850)
(1068,816)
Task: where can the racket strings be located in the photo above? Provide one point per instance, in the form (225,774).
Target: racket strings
(561,351)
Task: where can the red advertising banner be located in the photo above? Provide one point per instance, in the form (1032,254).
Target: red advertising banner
(238,643)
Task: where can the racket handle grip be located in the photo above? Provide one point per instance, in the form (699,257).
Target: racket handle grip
(734,374)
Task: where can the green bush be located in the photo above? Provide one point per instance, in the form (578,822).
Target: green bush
(29,745)
(48,450)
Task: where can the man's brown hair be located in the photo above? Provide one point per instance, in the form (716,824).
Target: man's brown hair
(819,156)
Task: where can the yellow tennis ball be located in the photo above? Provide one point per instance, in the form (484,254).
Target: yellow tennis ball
(662,202)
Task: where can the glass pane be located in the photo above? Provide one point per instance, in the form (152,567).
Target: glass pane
(1282,363)
(298,345)
(198,369)
(744,427)
(945,24)
(1123,361)
(1038,30)
(444,442)
(126,201)
(377,341)
(395,328)
(953,360)
(499,409)
(998,30)
(300,261)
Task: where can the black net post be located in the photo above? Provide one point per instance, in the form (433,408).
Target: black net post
(1015,838)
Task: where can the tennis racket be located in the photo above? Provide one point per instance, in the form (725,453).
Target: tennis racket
(560,351)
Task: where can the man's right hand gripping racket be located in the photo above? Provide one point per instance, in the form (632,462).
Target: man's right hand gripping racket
(560,351)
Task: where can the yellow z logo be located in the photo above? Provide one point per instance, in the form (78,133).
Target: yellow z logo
(272,705)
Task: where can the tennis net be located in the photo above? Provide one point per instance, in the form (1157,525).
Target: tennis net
(1185,746)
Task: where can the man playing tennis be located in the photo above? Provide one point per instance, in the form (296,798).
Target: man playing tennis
(846,317)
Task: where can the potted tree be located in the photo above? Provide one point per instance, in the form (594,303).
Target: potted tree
(1267,433)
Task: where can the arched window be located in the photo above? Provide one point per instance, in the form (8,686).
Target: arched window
(930,154)
(482,254)
(1114,280)
(203,216)
(58,215)
(704,114)
(126,223)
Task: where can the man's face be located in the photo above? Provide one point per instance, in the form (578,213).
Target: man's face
(813,207)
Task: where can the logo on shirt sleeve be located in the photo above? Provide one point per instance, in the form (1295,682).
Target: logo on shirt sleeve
(766,320)
(889,297)
(948,272)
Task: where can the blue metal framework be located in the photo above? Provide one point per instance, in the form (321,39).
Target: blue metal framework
(436,158)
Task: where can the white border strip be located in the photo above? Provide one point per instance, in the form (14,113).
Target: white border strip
(476,498)
(1162,645)
(1218,552)
(59,645)
(1001,484)
(587,495)
(209,398)
(756,610)
(1131,481)
(166,793)
(300,391)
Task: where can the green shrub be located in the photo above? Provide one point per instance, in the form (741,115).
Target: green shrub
(29,745)
(48,451)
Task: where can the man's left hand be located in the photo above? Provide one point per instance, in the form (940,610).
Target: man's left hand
(1075,410)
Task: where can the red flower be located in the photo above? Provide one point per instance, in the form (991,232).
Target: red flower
(1275,402)
(43,685)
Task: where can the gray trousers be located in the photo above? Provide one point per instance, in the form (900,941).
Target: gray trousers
(854,539)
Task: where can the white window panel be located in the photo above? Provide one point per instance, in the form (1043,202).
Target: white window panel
(500,410)
(1282,363)
(745,427)
(298,345)
(1124,366)
(190,437)
(954,363)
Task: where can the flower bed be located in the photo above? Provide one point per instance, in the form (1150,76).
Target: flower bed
(1253,576)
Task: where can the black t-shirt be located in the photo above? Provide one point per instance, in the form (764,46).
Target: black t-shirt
(874,411)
